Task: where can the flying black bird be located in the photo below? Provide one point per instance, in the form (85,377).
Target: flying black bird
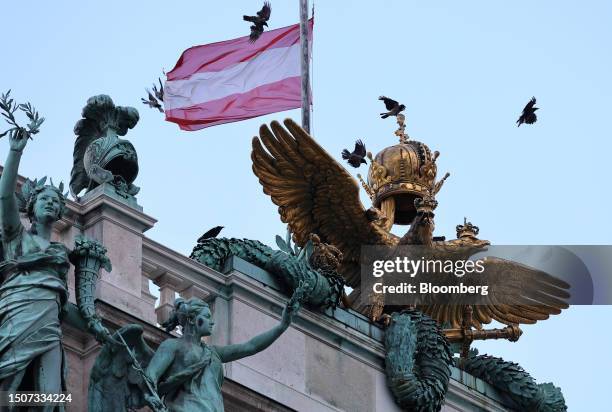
(210,234)
(159,93)
(356,158)
(152,102)
(528,116)
(259,21)
(393,107)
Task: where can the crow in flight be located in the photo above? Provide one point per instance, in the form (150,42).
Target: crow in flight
(393,107)
(152,102)
(528,116)
(356,158)
(259,21)
(159,93)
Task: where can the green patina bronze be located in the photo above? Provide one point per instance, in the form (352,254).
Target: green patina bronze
(418,361)
(289,266)
(9,107)
(33,285)
(516,386)
(184,374)
(100,156)
(418,356)
(88,257)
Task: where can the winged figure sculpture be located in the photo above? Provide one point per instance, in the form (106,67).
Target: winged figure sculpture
(316,195)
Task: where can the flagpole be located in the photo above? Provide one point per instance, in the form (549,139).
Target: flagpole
(305,65)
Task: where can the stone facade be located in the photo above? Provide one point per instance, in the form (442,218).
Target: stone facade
(331,361)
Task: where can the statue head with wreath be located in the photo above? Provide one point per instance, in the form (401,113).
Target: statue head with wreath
(42,203)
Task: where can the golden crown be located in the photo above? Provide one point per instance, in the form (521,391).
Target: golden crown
(401,174)
(467,229)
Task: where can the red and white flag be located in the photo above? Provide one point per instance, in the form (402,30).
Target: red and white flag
(235,80)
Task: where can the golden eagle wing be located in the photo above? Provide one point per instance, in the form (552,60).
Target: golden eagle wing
(517,294)
(314,193)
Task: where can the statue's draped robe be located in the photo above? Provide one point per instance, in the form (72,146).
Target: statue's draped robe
(33,291)
(200,389)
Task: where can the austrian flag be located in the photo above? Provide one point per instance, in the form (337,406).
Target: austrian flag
(235,79)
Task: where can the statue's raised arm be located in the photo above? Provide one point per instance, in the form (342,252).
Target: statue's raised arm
(9,211)
(260,342)
(18,138)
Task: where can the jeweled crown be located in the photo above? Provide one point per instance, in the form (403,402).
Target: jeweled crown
(401,174)
(467,229)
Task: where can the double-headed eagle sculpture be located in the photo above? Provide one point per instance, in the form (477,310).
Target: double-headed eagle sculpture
(316,195)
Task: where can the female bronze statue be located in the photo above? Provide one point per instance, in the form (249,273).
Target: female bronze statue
(184,374)
(33,285)
(189,372)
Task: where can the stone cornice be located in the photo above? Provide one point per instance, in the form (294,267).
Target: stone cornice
(105,207)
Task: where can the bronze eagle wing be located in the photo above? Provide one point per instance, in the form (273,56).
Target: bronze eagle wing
(314,194)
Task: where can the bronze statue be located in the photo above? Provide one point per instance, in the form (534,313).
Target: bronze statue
(33,285)
(100,156)
(184,374)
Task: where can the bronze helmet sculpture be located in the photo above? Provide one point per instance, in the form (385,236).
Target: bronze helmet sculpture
(100,156)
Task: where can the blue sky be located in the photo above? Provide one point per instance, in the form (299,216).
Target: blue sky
(463,69)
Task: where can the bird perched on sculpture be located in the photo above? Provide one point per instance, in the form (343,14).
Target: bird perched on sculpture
(393,107)
(212,233)
(357,157)
(259,21)
(528,116)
